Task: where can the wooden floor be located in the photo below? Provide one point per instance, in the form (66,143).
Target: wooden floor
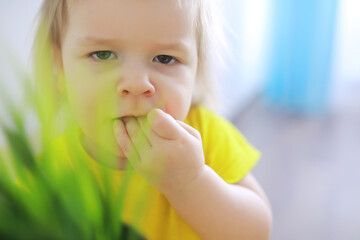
(310,167)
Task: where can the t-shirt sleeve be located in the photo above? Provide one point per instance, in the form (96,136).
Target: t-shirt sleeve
(225,148)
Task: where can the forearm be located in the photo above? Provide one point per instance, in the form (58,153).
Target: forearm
(217,210)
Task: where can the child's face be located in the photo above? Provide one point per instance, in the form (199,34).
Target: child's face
(124,58)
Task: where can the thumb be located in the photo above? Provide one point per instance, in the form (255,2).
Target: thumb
(163,124)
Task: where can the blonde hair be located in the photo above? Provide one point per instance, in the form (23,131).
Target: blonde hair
(53,17)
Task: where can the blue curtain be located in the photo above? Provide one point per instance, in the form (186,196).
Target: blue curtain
(301,54)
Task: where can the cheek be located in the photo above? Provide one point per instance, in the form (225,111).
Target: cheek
(177,100)
(176,110)
(91,100)
(88,86)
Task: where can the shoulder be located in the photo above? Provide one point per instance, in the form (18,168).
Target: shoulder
(202,118)
(211,125)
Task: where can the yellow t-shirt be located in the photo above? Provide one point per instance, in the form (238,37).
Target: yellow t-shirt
(148,211)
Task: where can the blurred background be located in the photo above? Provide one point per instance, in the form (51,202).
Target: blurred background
(292,87)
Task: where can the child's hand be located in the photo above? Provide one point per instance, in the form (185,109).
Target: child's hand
(166,152)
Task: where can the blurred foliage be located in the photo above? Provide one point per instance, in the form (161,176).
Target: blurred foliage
(42,197)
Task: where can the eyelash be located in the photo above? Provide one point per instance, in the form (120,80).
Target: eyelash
(172,59)
(95,56)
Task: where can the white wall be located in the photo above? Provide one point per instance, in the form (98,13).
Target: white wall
(244,76)
(16,25)
(16,33)
(347,43)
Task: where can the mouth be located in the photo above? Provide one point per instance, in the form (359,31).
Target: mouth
(137,114)
(128,116)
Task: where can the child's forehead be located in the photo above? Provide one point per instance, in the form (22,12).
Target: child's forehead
(183,4)
(110,8)
(130,19)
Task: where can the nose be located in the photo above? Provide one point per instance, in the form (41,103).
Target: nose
(134,80)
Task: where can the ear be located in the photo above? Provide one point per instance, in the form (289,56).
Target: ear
(59,69)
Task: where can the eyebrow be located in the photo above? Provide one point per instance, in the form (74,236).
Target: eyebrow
(177,45)
(96,40)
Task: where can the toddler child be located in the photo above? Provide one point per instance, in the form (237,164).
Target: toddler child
(135,74)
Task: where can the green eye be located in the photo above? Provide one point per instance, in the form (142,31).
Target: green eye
(103,55)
